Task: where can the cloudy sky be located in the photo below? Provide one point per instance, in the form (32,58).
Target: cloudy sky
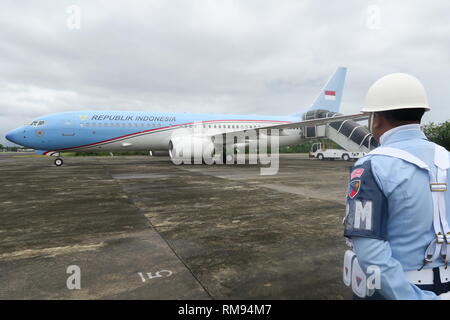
(213,56)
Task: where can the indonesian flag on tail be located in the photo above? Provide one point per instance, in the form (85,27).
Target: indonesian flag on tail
(330,95)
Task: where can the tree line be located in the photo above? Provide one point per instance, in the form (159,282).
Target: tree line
(438,133)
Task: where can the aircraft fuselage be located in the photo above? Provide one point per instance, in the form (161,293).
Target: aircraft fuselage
(87,131)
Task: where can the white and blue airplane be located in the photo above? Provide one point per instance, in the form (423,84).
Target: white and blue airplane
(112,131)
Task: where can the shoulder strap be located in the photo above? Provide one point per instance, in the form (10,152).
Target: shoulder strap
(400,154)
(438,184)
(441,157)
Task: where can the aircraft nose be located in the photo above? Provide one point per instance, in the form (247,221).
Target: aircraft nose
(12,136)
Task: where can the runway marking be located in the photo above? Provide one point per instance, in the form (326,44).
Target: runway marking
(49,252)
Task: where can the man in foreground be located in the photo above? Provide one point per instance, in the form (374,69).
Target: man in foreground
(396,215)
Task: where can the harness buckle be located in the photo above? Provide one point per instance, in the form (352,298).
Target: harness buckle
(438,187)
(439,238)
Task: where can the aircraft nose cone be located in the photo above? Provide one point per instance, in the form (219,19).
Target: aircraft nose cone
(12,136)
(9,136)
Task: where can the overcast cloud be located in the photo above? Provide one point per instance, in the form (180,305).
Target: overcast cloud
(213,56)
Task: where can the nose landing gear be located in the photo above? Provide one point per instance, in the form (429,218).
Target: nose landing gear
(59,162)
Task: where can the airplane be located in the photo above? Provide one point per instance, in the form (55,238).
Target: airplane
(113,131)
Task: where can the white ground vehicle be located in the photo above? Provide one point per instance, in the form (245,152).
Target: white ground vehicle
(323,151)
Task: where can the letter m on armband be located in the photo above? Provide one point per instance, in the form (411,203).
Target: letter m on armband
(363,219)
(363,215)
(367,206)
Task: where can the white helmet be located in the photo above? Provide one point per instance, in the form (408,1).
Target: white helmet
(396,91)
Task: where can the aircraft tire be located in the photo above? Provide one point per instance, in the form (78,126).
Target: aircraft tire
(59,162)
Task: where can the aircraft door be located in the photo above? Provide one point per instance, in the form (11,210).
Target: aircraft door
(310,132)
(68,128)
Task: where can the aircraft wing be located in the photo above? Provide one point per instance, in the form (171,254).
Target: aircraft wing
(306,123)
(316,122)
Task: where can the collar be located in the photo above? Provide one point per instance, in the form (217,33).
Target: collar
(384,139)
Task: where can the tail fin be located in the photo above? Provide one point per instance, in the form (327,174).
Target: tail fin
(330,96)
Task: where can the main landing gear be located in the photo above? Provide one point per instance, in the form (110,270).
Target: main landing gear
(59,162)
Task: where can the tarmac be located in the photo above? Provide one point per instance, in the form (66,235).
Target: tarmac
(142,228)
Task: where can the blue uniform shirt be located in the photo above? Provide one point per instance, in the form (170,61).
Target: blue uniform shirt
(409,226)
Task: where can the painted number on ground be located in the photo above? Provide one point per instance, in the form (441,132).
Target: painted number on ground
(155,275)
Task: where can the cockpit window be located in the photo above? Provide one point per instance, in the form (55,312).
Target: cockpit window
(37,123)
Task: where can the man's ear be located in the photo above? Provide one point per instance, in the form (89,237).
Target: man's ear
(378,121)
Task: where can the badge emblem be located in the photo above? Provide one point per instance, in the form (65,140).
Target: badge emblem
(353,188)
(356,173)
